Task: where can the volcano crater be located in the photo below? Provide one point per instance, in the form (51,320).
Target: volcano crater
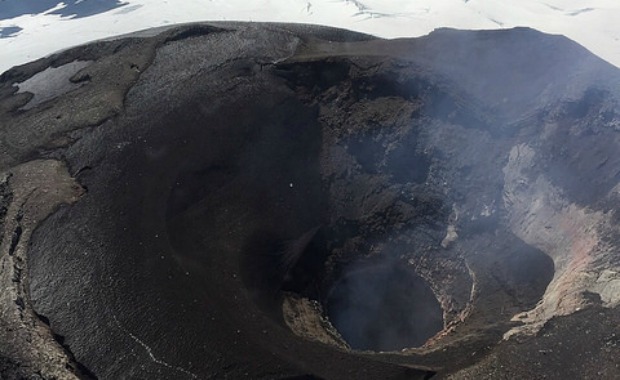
(287,201)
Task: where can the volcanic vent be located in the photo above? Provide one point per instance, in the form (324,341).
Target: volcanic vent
(383,307)
(279,201)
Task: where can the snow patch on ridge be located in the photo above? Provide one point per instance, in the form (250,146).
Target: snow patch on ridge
(51,82)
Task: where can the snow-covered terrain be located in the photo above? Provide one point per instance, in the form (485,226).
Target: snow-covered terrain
(30,29)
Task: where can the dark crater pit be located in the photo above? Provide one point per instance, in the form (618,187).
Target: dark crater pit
(383,307)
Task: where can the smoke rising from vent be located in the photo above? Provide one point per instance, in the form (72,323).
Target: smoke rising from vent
(383,306)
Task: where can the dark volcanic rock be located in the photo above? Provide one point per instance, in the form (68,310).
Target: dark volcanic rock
(199,201)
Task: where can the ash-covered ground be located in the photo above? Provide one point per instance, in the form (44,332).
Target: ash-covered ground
(273,201)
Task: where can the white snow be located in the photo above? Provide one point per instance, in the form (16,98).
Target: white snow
(594,24)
